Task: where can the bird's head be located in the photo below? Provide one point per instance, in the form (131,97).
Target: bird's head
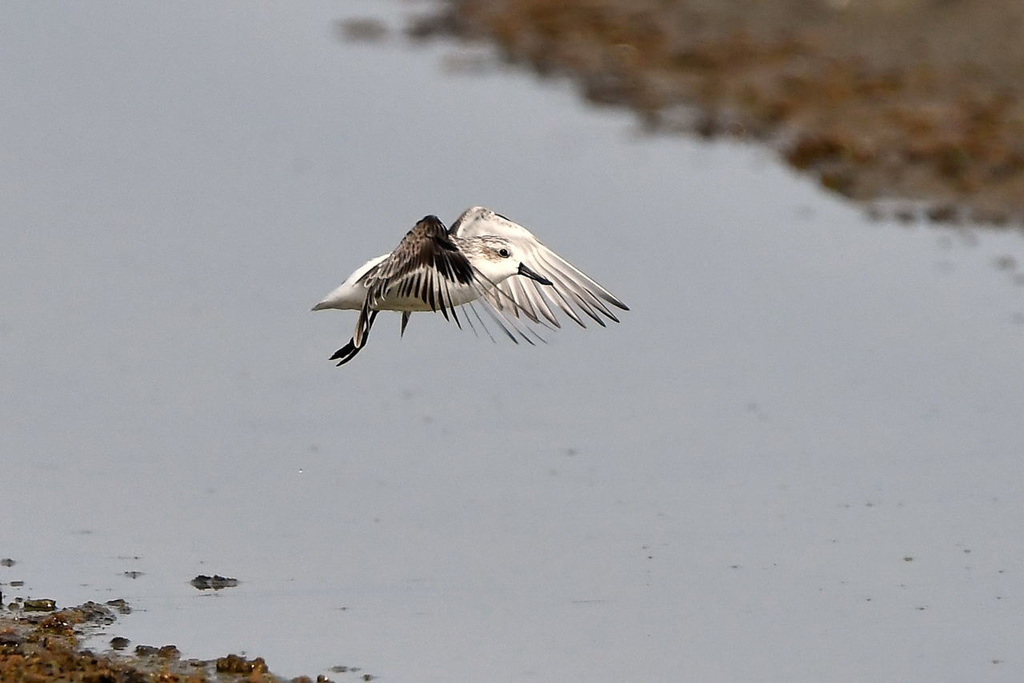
(499,258)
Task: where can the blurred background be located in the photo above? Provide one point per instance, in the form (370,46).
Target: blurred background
(796,458)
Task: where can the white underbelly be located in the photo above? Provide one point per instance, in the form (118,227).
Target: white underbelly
(458,296)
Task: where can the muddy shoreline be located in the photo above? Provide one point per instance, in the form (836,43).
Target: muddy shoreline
(39,642)
(913,107)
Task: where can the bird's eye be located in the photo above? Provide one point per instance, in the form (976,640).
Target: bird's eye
(504,253)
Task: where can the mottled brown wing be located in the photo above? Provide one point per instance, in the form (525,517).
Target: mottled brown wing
(424,265)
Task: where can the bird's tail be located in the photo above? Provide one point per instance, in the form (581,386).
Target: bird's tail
(358,341)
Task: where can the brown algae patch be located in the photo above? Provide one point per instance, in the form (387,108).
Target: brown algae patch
(901,100)
(45,646)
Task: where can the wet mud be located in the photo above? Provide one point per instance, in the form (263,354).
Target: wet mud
(913,107)
(39,642)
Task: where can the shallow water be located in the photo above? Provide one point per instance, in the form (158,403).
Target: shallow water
(797,458)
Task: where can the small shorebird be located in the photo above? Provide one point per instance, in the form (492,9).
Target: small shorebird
(482,256)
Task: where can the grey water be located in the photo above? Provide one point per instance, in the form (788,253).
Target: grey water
(798,457)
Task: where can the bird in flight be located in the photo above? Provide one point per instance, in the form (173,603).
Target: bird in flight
(482,257)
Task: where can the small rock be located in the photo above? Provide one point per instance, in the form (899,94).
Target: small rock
(8,639)
(235,664)
(215,582)
(169,652)
(40,605)
(121,605)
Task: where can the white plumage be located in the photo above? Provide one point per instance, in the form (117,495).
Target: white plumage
(483,256)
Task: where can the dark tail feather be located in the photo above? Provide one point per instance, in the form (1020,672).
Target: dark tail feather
(346,353)
(349,351)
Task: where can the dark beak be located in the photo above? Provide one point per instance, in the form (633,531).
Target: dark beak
(532,274)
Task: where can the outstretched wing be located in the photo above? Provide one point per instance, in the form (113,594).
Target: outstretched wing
(424,261)
(571,290)
(428,266)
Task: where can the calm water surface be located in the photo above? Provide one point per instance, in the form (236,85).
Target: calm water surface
(797,458)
